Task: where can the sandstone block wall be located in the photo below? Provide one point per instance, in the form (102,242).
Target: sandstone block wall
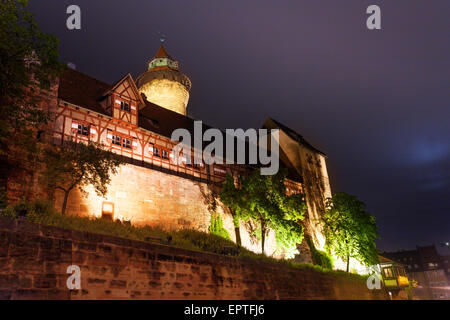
(34,260)
(150,197)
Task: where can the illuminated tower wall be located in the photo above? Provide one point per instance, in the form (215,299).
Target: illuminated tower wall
(163,84)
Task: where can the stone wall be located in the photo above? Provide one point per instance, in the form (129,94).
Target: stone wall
(149,197)
(34,261)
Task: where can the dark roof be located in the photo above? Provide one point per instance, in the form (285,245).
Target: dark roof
(82,90)
(295,136)
(384,259)
(428,253)
(164,121)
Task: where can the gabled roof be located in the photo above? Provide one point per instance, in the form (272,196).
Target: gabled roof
(294,135)
(82,90)
(133,86)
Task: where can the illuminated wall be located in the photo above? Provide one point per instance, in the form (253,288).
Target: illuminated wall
(166,93)
(150,197)
(312,167)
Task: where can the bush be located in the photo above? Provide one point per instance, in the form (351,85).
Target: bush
(320,258)
(217,228)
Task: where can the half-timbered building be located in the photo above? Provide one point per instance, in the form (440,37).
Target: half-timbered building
(136,119)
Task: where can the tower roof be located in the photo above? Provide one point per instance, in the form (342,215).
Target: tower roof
(162,61)
(162,53)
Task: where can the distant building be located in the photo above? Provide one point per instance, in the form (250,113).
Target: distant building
(446,265)
(426,266)
(394,277)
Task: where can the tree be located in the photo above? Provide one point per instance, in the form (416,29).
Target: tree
(28,64)
(79,165)
(231,197)
(349,230)
(263,199)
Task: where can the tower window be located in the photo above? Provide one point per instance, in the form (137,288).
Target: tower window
(124,106)
(83,130)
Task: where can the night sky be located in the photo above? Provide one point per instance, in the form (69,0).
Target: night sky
(376,102)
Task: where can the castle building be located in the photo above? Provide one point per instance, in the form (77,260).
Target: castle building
(136,119)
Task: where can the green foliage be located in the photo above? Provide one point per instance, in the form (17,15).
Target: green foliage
(319,257)
(217,228)
(349,230)
(231,196)
(42,212)
(29,209)
(29,63)
(323,259)
(263,199)
(78,165)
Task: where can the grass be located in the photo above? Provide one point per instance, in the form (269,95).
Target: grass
(43,212)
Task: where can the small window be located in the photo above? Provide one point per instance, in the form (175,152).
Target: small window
(116,140)
(124,106)
(83,130)
(388,273)
(192,164)
(165,154)
(126,143)
(39,135)
(156,152)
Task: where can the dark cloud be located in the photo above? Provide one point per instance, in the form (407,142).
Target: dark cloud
(377,102)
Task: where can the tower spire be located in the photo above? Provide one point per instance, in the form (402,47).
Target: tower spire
(162,37)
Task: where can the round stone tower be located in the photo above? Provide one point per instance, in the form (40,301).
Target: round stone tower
(163,84)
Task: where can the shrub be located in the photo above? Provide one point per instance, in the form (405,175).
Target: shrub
(319,257)
(217,228)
